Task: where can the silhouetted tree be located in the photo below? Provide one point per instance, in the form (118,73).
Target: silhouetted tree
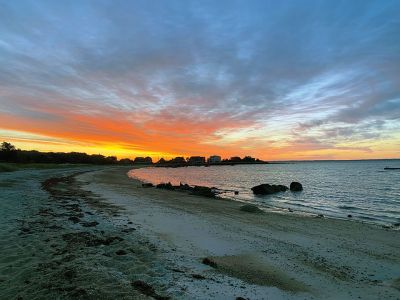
(7,151)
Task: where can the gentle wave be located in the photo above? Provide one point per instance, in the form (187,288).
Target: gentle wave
(336,189)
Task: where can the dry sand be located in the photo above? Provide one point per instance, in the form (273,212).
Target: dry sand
(254,255)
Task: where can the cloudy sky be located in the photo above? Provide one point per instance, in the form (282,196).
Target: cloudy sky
(272,79)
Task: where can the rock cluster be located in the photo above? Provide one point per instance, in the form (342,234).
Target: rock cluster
(196,190)
(267,189)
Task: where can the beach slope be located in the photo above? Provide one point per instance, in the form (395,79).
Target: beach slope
(216,251)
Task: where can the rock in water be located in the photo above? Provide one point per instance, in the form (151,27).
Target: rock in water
(167,186)
(147,185)
(267,189)
(251,208)
(203,191)
(296,186)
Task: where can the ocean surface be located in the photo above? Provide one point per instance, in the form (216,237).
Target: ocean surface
(336,189)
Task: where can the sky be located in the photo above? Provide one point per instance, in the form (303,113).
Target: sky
(276,80)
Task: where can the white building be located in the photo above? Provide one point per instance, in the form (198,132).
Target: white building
(214,159)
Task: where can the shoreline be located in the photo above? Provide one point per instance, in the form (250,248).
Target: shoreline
(265,206)
(298,256)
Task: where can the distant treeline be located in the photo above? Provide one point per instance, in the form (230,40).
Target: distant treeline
(8,153)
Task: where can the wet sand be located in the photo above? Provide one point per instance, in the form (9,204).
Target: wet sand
(253,255)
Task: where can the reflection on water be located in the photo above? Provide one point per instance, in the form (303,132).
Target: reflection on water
(360,188)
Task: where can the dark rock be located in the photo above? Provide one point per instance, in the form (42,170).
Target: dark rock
(178,271)
(166,186)
(79,293)
(251,208)
(203,191)
(320,216)
(236,192)
(267,189)
(349,216)
(74,219)
(296,186)
(69,274)
(198,276)
(147,290)
(121,252)
(89,224)
(185,186)
(128,230)
(87,239)
(147,185)
(240,298)
(209,262)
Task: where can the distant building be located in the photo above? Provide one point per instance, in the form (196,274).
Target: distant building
(197,160)
(143,160)
(178,160)
(214,159)
(235,159)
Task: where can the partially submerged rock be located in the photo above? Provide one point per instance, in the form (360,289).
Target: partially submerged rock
(147,185)
(166,186)
(296,186)
(251,208)
(267,189)
(203,191)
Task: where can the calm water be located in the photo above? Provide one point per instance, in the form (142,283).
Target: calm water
(335,188)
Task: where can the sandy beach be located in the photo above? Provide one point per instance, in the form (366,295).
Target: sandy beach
(213,250)
(94,233)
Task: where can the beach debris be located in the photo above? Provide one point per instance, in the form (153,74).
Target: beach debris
(241,298)
(74,219)
(320,216)
(69,274)
(147,185)
(251,208)
(88,239)
(198,276)
(349,216)
(236,192)
(209,262)
(26,230)
(89,224)
(121,252)
(178,270)
(147,290)
(296,186)
(267,189)
(128,230)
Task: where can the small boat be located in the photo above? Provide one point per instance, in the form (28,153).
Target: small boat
(388,168)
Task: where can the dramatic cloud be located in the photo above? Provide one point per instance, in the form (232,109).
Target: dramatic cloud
(278,80)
